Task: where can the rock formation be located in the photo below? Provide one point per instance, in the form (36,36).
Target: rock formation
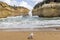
(7,10)
(47,8)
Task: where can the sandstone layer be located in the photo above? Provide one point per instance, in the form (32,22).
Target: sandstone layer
(7,10)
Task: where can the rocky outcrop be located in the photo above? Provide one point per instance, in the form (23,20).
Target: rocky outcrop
(48,10)
(51,9)
(7,10)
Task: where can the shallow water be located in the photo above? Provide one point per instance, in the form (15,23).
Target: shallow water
(29,22)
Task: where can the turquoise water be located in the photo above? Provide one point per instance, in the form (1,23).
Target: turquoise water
(29,22)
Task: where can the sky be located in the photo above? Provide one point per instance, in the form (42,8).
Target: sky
(25,3)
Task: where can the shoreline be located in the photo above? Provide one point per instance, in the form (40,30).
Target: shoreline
(31,29)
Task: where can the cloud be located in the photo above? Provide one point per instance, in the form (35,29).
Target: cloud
(11,2)
(7,1)
(25,4)
(14,2)
(36,1)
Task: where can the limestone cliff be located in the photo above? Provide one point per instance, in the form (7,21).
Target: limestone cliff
(7,10)
(51,9)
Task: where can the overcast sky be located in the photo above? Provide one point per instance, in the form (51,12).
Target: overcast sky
(25,3)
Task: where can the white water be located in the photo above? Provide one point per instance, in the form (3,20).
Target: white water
(29,22)
(30,13)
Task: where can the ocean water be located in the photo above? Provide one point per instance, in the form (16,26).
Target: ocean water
(29,22)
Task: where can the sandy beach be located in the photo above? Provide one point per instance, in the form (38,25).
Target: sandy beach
(22,35)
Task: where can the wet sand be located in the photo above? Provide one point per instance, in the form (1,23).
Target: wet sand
(22,35)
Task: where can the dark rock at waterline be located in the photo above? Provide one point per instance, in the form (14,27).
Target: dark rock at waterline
(49,9)
(7,10)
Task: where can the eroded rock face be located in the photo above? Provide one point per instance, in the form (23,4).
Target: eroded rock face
(7,10)
(51,9)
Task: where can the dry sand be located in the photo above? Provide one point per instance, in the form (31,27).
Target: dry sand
(22,35)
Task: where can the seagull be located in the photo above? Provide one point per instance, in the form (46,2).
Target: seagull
(30,36)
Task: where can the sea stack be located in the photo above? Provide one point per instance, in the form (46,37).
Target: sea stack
(47,8)
(7,10)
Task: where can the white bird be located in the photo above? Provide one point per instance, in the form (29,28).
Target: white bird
(30,36)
